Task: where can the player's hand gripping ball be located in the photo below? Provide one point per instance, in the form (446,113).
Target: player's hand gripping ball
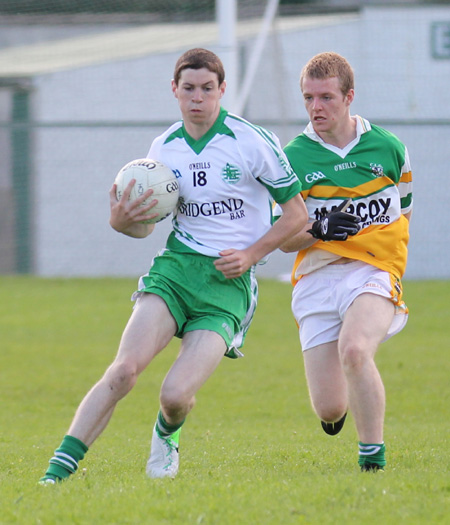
(150,174)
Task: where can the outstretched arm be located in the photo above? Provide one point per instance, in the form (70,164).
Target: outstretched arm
(233,263)
(337,225)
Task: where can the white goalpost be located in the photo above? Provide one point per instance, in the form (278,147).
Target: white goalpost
(226,15)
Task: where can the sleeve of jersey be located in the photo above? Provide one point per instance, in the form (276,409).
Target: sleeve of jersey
(405,186)
(155,148)
(271,167)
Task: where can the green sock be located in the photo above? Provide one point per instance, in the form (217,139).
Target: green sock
(163,428)
(66,458)
(372,453)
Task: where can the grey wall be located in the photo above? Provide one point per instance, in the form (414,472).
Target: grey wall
(89,122)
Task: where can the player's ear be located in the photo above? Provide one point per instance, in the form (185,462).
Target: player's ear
(174,88)
(222,88)
(350,96)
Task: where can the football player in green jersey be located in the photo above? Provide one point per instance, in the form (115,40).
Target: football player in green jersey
(201,287)
(347,297)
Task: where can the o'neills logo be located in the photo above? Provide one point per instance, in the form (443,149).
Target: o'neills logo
(206,209)
(148,163)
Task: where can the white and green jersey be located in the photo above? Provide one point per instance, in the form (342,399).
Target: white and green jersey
(228,180)
(375,173)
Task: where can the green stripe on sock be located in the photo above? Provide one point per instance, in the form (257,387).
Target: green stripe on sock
(372,453)
(163,428)
(66,458)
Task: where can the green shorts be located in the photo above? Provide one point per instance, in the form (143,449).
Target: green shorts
(200,298)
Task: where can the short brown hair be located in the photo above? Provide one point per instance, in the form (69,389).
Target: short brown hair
(199,58)
(328,65)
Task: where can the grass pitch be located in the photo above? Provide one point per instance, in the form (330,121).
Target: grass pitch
(252,451)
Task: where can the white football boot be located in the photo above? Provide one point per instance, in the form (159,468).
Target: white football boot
(163,461)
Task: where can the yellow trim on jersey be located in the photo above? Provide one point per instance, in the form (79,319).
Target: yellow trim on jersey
(388,247)
(406,177)
(362,190)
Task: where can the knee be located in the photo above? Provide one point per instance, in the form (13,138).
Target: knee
(330,413)
(175,402)
(354,357)
(121,377)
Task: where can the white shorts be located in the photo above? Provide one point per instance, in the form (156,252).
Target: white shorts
(321,298)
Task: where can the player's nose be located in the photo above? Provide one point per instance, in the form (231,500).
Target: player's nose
(197,95)
(316,103)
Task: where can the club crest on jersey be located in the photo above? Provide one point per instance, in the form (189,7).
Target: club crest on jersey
(231,174)
(377,169)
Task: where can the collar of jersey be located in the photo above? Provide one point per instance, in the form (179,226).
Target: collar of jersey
(218,128)
(362,126)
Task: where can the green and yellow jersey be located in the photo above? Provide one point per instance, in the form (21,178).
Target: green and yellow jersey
(374,172)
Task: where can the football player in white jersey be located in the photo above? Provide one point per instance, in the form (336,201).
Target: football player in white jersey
(347,298)
(201,287)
